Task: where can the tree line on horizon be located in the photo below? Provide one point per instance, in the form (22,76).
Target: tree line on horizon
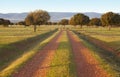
(5,22)
(41,17)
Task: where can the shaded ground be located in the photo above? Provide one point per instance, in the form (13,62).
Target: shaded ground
(10,52)
(38,65)
(86,64)
(106,47)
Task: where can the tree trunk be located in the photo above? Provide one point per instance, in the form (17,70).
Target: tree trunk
(34,28)
(64,27)
(109,27)
(81,26)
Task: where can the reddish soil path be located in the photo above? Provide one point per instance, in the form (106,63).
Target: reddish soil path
(38,65)
(86,64)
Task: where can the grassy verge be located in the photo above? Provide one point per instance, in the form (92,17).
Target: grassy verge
(106,62)
(110,38)
(11,34)
(62,65)
(23,58)
(10,52)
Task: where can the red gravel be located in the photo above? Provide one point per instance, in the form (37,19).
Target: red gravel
(39,64)
(86,64)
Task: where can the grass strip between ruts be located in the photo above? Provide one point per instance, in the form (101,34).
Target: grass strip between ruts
(62,64)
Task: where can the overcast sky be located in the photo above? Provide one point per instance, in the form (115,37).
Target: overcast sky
(18,6)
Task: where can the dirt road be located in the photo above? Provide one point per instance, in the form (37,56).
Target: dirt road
(38,65)
(86,64)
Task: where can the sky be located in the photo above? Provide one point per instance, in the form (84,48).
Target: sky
(19,6)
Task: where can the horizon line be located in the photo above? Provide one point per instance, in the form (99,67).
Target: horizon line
(54,11)
(61,12)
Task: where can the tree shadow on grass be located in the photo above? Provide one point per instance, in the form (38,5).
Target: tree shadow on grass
(12,51)
(116,45)
(108,56)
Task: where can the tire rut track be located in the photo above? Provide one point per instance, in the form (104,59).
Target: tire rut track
(86,64)
(39,64)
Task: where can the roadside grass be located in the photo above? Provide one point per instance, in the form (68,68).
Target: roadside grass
(16,40)
(13,34)
(62,64)
(21,59)
(11,51)
(110,38)
(107,62)
(105,35)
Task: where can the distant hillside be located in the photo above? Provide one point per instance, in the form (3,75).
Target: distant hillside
(14,17)
(55,16)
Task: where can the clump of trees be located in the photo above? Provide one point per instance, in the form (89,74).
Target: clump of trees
(37,17)
(4,22)
(40,17)
(21,23)
(110,19)
(72,21)
(64,22)
(79,19)
(95,21)
(48,23)
(51,23)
